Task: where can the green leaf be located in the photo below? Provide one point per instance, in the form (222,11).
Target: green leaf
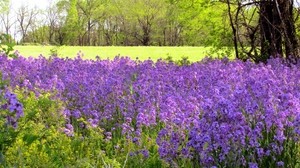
(1,158)
(30,138)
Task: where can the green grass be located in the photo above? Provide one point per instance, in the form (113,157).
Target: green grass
(143,53)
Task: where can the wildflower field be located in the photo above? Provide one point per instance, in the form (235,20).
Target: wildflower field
(60,112)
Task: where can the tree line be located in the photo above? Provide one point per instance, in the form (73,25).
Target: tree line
(255,29)
(120,23)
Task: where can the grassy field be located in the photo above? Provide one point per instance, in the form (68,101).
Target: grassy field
(143,53)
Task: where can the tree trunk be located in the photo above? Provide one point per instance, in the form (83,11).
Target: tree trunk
(235,40)
(277,30)
(270,31)
(89,32)
(285,8)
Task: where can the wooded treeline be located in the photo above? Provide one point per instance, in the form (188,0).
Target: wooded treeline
(122,23)
(256,29)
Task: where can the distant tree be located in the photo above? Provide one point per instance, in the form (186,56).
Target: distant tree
(38,35)
(201,22)
(53,19)
(7,20)
(71,27)
(26,18)
(90,11)
(143,15)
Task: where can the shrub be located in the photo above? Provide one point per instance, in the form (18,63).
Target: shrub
(6,45)
(40,139)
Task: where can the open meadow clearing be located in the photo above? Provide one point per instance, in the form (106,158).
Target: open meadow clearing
(140,52)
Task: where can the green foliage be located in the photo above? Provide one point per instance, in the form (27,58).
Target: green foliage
(131,154)
(7,132)
(135,23)
(3,84)
(220,51)
(4,5)
(40,134)
(6,45)
(205,20)
(182,62)
(143,17)
(39,36)
(71,28)
(55,51)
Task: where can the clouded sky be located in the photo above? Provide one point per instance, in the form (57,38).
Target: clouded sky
(41,4)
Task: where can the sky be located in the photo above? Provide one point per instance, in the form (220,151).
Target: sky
(41,4)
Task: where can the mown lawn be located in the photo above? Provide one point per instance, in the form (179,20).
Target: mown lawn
(143,53)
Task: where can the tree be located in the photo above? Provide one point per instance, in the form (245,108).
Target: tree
(25,18)
(38,35)
(280,20)
(90,11)
(71,28)
(143,15)
(268,31)
(53,18)
(112,22)
(4,5)
(200,22)
(7,20)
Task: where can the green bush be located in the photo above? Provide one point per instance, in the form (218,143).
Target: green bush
(6,45)
(40,141)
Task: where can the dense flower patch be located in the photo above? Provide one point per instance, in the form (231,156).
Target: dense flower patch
(210,113)
(9,104)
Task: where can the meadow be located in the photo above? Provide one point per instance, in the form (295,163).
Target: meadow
(62,112)
(140,52)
